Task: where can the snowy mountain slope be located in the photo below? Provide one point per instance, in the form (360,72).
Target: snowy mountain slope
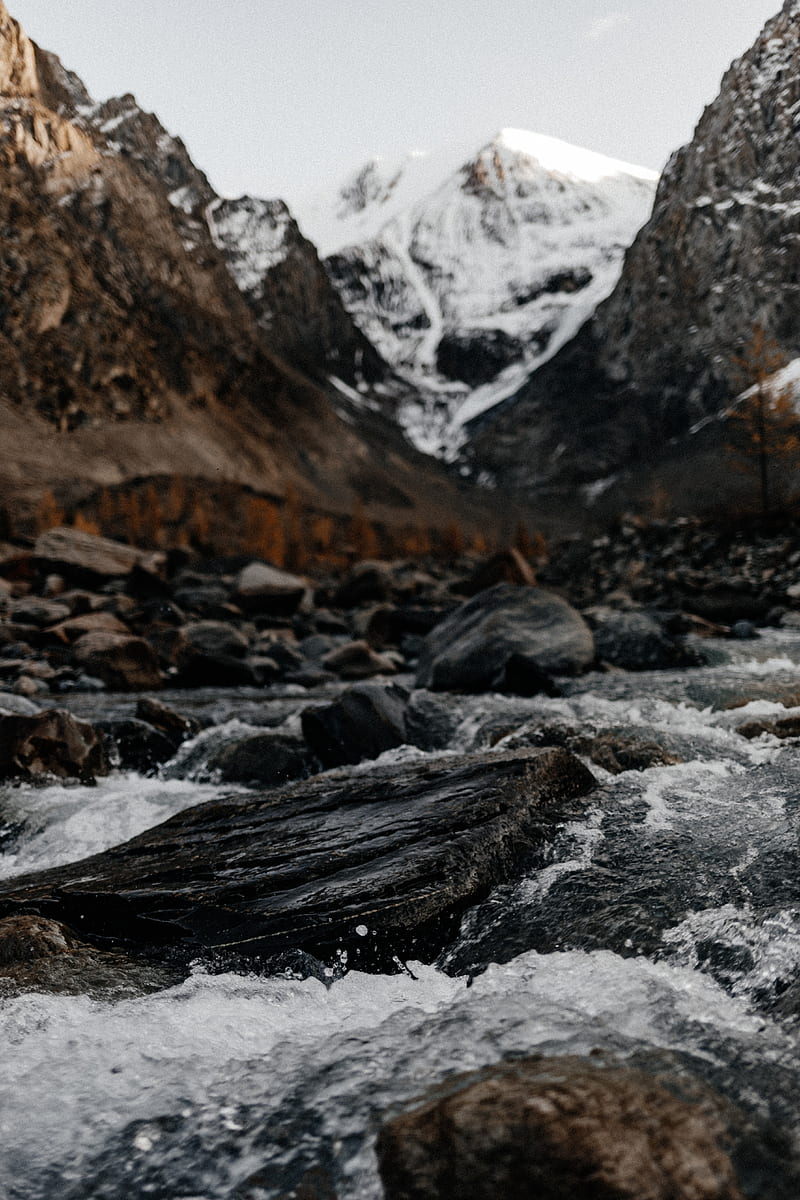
(469,271)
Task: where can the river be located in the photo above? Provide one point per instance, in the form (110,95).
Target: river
(661,925)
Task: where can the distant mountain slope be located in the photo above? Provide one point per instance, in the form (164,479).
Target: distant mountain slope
(470,270)
(145,325)
(720,253)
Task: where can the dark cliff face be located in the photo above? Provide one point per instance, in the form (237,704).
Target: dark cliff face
(720,254)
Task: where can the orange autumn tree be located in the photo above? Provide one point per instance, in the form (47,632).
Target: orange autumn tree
(764,424)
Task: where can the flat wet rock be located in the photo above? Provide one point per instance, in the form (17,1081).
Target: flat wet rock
(379,866)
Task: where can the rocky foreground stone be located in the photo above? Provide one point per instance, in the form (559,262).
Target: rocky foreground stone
(378,866)
(558,1129)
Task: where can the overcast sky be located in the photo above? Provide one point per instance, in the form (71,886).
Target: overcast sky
(285,97)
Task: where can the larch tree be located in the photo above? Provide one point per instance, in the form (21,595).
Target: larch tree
(764,423)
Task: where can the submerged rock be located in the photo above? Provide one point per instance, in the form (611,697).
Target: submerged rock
(781,727)
(380,866)
(471,649)
(557,1129)
(27,938)
(52,742)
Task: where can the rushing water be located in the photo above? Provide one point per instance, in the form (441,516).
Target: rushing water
(663,924)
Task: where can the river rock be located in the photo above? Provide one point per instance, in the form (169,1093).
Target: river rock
(31,610)
(52,742)
(265,758)
(781,727)
(212,655)
(361,724)
(138,746)
(635,641)
(357,660)
(430,723)
(177,727)
(379,865)
(367,583)
(90,622)
(261,588)
(556,1129)
(20,706)
(86,559)
(27,938)
(216,638)
(124,663)
(470,649)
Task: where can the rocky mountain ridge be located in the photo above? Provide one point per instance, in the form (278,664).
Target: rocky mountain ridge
(468,270)
(717,257)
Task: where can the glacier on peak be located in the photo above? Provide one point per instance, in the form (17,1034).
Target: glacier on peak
(469,269)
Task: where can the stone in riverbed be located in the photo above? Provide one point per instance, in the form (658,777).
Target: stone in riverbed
(635,641)
(366,583)
(401,851)
(52,742)
(357,660)
(265,758)
(124,663)
(782,727)
(557,1129)
(261,588)
(92,622)
(139,746)
(86,559)
(27,938)
(363,723)
(470,650)
(31,610)
(175,725)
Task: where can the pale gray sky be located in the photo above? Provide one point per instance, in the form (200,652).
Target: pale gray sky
(285,97)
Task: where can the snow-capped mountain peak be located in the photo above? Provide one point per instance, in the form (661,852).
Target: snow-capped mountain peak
(562,158)
(469,269)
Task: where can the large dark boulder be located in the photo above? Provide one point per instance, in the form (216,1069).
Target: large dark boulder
(52,742)
(361,724)
(380,865)
(471,649)
(558,1129)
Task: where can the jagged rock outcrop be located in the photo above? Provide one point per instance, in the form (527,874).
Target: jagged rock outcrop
(717,256)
